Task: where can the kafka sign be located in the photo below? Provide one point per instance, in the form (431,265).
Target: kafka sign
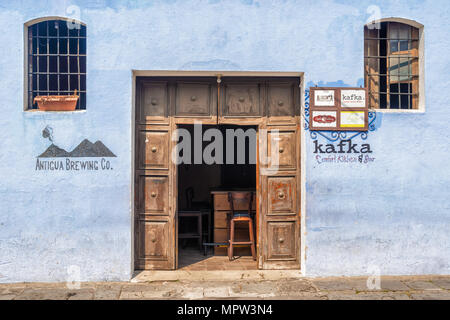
(338,109)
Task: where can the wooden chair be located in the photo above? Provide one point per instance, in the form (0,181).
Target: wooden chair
(240,199)
(203,207)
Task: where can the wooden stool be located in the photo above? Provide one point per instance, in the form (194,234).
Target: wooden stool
(240,216)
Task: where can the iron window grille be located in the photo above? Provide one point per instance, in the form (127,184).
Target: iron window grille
(391,65)
(56,60)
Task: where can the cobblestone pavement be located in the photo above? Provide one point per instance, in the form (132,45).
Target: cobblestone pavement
(349,288)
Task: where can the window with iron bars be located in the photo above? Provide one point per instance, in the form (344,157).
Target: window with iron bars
(56,60)
(391,65)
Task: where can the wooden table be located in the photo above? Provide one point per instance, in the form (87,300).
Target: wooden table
(221,208)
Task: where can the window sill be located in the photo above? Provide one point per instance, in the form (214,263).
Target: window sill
(402,111)
(37,111)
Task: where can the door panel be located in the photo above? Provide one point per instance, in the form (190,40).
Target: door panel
(155,179)
(154,102)
(281,195)
(155,149)
(241,103)
(154,244)
(279,192)
(242,100)
(282,102)
(154,190)
(281,240)
(193,99)
(286,144)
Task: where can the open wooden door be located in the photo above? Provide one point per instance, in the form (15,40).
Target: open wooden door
(279,178)
(155,179)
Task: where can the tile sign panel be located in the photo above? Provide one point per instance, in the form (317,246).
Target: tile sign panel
(338,109)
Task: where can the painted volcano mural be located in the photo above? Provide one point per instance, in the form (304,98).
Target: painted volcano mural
(84,149)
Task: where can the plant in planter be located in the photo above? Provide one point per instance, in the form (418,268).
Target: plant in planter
(57,103)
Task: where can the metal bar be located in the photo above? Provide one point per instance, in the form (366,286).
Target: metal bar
(395,55)
(58,57)
(54,55)
(68,73)
(385,74)
(48,58)
(388,63)
(83,37)
(78,76)
(400,39)
(65,91)
(400,93)
(37,60)
(68,60)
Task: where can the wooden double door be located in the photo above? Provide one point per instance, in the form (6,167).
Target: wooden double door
(273,104)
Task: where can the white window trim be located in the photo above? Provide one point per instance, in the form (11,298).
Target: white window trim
(421,108)
(25,59)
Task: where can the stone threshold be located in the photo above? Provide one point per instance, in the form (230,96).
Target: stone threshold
(219,275)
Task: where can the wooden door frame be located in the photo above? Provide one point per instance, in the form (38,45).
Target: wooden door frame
(169,73)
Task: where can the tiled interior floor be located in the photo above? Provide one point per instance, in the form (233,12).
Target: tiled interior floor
(192,259)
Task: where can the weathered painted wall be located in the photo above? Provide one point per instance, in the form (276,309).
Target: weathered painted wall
(392,214)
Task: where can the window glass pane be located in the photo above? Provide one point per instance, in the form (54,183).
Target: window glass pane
(34,59)
(73,46)
(83,82)
(63,46)
(63,65)
(82,64)
(53,82)
(404,102)
(73,83)
(394,45)
(53,67)
(404,45)
(53,46)
(34,82)
(383,30)
(393,30)
(63,32)
(394,101)
(33,29)
(42,45)
(404,69)
(393,88)
(82,46)
(73,64)
(383,101)
(34,45)
(404,87)
(383,84)
(42,28)
(83,31)
(53,28)
(42,82)
(42,64)
(63,82)
(73,29)
(394,64)
(404,31)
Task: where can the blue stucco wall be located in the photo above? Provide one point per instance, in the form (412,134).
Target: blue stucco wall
(392,214)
